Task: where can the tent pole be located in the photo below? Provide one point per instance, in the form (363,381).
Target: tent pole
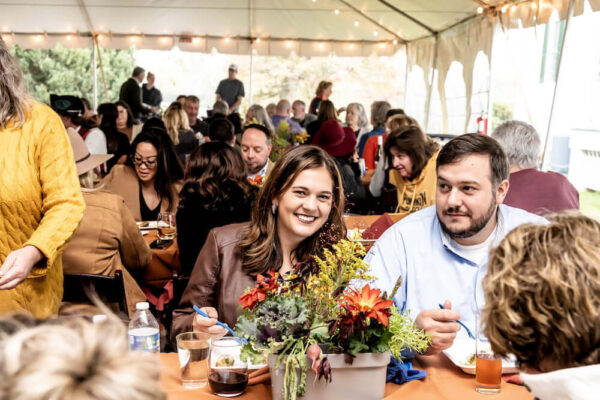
(251,17)
(558,69)
(95,61)
(405,76)
(433,68)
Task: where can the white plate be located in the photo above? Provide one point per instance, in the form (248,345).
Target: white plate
(462,349)
(150,224)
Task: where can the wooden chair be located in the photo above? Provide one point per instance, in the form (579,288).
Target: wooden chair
(78,288)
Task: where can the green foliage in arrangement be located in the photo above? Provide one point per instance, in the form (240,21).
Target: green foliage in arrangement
(71,71)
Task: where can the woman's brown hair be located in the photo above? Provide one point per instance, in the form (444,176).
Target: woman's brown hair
(216,172)
(414,143)
(323,85)
(260,247)
(542,294)
(327,111)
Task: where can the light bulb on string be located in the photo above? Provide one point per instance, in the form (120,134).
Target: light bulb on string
(395,42)
(356,23)
(533,5)
(375,33)
(321,46)
(479,10)
(227,40)
(336,11)
(288,43)
(69,37)
(351,45)
(196,40)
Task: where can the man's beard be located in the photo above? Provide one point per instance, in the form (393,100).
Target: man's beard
(256,170)
(476,225)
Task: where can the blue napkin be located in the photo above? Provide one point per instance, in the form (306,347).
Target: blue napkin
(400,372)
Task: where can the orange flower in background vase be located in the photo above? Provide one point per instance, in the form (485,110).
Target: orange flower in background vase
(256,181)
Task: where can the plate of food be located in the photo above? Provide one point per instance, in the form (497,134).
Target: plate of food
(462,354)
(150,224)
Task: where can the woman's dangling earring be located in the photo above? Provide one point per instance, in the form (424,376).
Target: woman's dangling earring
(274,208)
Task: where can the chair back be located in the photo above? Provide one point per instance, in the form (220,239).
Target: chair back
(78,288)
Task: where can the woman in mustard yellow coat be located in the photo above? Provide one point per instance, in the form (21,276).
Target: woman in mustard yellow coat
(40,199)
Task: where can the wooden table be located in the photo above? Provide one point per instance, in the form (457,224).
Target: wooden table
(444,381)
(164,262)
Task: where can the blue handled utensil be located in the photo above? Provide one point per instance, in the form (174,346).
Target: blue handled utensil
(461,324)
(199,311)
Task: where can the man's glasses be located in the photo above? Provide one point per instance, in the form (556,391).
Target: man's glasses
(138,161)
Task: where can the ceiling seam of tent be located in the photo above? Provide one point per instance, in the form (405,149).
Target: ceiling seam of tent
(362,14)
(405,15)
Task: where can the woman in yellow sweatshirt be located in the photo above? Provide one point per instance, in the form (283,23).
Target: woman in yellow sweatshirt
(412,156)
(40,199)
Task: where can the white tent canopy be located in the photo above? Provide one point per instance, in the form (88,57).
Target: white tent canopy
(309,27)
(432,33)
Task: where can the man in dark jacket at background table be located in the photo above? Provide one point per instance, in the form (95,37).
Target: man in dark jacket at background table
(131,93)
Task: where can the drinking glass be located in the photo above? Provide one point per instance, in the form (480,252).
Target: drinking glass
(193,348)
(228,374)
(167,228)
(488,367)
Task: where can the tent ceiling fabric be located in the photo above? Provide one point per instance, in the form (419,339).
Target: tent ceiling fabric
(293,19)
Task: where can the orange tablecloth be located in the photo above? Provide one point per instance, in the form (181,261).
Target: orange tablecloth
(164,262)
(444,382)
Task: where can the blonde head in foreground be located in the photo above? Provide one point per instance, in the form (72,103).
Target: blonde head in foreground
(73,359)
(542,293)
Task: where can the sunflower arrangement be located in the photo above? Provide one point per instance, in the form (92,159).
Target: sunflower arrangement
(315,310)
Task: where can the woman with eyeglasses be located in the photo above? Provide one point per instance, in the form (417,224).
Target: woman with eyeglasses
(150,179)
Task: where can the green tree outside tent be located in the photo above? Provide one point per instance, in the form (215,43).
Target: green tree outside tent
(71,71)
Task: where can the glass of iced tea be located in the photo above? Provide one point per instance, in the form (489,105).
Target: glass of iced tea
(488,367)
(167,228)
(193,349)
(228,374)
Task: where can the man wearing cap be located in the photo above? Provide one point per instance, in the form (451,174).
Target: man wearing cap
(231,90)
(71,110)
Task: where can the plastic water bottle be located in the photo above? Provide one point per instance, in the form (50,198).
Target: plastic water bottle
(143,330)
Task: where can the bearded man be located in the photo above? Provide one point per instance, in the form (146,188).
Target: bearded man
(441,252)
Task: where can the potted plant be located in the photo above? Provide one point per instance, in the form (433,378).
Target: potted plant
(322,336)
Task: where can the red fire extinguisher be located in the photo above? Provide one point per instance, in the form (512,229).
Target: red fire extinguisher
(482,123)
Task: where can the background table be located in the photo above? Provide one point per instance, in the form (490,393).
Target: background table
(164,262)
(444,382)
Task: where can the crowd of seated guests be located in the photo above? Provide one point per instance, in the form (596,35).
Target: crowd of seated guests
(455,199)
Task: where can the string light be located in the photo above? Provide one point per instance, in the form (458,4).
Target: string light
(479,10)
(533,5)
(382,45)
(38,38)
(321,46)
(351,45)
(288,43)
(227,40)
(336,12)
(164,40)
(257,40)
(395,41)
(100,37)
(132,39)
(375,33)
(513,7)
(504,8)
(356,23)
(196,40)
(69,37)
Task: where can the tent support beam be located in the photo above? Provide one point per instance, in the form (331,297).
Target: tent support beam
(251,31)
(433,71)
(365,16)
(405,15)
(558,70)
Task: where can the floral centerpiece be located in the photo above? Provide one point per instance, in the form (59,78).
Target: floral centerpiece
(296,317)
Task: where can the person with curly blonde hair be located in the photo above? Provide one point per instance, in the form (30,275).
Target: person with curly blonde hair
(73,359)
(542,304)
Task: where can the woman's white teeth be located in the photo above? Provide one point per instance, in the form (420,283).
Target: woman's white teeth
(305,218)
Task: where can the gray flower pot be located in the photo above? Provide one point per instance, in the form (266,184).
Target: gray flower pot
(363,379)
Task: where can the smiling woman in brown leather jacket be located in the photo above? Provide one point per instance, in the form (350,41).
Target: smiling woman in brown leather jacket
(302,198)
